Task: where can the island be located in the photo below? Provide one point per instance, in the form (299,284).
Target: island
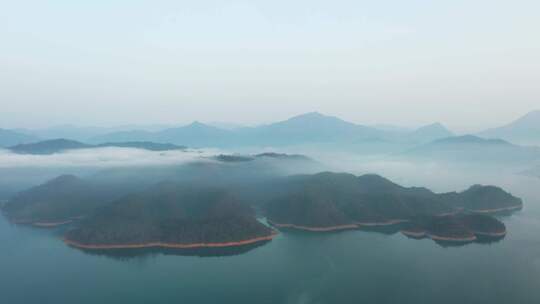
(282,156)
(171,215)
(338,201)
(266,155)
(190,211)
(57,202)
(459,228)
(487,200)
(227,158)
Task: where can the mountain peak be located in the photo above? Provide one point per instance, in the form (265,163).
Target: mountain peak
(524,130)
(310,115)
(63,179)
(431,132)
(531,117)
(433,126)
(314,114)
(436,125)
(198,124)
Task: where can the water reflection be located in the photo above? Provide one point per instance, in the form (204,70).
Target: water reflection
(131,253)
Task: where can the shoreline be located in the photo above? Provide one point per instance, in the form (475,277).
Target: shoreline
(452,239)
(490,234)
(384,223)
(49,224)
(414,234)
(517,207)
(169,245)
(423,234)
(355,225)
(315,229)
(44,224)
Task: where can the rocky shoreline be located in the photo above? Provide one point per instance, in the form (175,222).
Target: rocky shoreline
(459,229)
(381,223)
(356,225)
(169,245)
(495,210)
(466,239)
(314,229)
(45,224)
(50,224)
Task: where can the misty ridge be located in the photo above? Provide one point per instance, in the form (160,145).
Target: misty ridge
(287,171)
(339,145)
(203,187)
(307,128)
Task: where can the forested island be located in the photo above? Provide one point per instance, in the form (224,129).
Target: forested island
(461,228)
(188,211)
(170,215)
(57,202)
(331,201)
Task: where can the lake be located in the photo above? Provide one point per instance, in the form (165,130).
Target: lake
(346,267)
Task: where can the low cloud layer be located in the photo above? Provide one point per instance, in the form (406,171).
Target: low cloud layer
(102,157)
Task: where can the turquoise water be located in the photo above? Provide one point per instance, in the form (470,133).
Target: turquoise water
(346,267)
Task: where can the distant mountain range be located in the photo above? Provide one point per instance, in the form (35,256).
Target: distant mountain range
(81,133)
(525,130)
(336,201)
(474,148)
(307,128)
(58,145)
(10,138)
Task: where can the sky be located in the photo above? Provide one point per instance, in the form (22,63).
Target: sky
(469,64)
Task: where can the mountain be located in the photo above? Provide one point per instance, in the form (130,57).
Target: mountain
(484,199)
(66,131)
(524,130)
(194,135)
(226,125)
(48,146)
(171,215)
(145,145)
(456,229)
(125,136)
(57,201)
(84,134)
(429,133)
(391,128)
(306,128)
(59,145)
(335,201)
(473,148)
(312,128)
(10,138)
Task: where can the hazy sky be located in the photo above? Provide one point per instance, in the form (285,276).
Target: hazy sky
(469,64)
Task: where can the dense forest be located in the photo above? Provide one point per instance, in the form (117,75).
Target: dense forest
(171,213)
(61,199)
(338,199)
(460,228)
(216,201)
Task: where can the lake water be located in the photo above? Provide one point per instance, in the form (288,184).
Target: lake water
(346,267)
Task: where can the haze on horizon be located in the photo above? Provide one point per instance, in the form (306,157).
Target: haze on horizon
(469,65)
